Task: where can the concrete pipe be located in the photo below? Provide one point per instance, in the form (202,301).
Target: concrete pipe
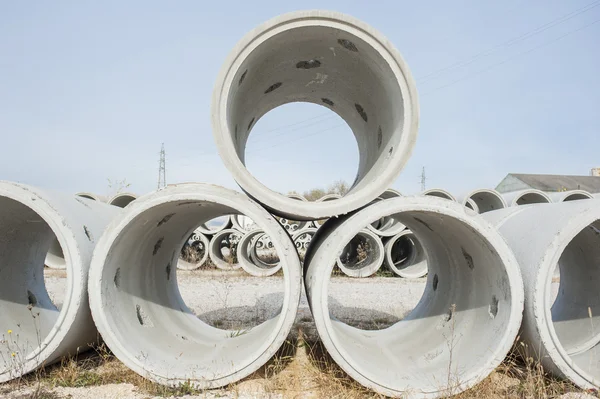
(265,246)
(405,256)
(362,255)
(440,193)
(242,223)
(471,205)
(137,306)
(292,225)
(225,239)
(572,195)
(34,331)
(387,226)
(526,197)
(252,264)
(562,334)
(92,196)
(201,243)
(310,56)
(122,199)
(302,240)
(325,198)
(485,199)
(463,326)
(216,225)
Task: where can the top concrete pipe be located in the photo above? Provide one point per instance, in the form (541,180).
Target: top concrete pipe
(137,306)
(485,199)
(562,334)
(92,196)
(440,193)
(526,197)
(311,56)
(122,199)
(463,326)
(34,331)
(572,195)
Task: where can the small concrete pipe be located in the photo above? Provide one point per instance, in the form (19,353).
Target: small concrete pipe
(122,199)
(562,334)
(526,197)
(465,323)
(572,195)
(405,256)
(292,225)
(225,239)
(362,255)
(92,196)
(440,193)
(471,205)
(137,306)
(209,229)
(387,226)
(485,199)
(34,331)
(242,223)
(302,240)
(246,248)
(310,56)
(203,243)
(325,198)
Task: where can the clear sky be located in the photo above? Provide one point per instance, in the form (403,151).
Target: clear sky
(90,90)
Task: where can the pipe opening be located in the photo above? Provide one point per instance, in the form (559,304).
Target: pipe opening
(487,201)
(405,256)
(362,256)
(31,298)
(576,307)
(531,198)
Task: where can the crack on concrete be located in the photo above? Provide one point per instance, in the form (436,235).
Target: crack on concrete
(88,233)
(468,258)
(348,45)
(361,111)
(273,87)
(423,223)
(165,219)
(242,77)
(157,245)
(251,122)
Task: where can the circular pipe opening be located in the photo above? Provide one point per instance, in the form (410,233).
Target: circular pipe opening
(223,249)
(362,256)
(136,301)
(258,262)
(194,253)
(487,200)
(439,193)
(405,256)
(121,200)
(310,57)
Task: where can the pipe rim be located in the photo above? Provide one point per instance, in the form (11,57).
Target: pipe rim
(214,250)
(485,191)
(185,265)
(371,268)
(439,193)
(388,256)
(281,204)
(244,248)
(199,192)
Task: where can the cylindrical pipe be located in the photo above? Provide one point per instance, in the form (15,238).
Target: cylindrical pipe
(229,239)
(209,229)
(137,306)
(203,244)
(362,255)
(526,197)
(471,205)
(242,223)
(440,193)
(463,326)
(486,200)
(562,334)
(293,225)
(122,199)
(92,196)
(310,56)
(405,256)
(387,226)
(572,195)
(248,258)
(302,240)
(325,198)
(34,331)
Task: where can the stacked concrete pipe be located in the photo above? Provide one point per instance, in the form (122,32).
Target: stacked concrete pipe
(405,256)
(526,197)
(486,200)
(387,226)
(465,323)
(572,195)
(55,258)
(34,331)
(302,240)
(562,334)
(326,198)
(292,226)
(122,199)
(352,260)
(311,56)
(250,261)
(136,304)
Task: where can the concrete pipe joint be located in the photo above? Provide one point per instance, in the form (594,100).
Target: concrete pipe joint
(387,226)
(485,200)
(362,255)
(572,195)
(463,326)
(405,256)
(310,56)
(222,249)
(526,197)
(34,331)
(562,334)
(201,242)
(136,302)
(249,259)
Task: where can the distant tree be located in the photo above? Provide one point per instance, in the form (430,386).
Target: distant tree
(340,187)
(117,186)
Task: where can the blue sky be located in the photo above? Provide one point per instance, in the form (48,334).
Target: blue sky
(90,90)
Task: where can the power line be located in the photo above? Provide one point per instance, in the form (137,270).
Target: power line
(511,42)
(511,58)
